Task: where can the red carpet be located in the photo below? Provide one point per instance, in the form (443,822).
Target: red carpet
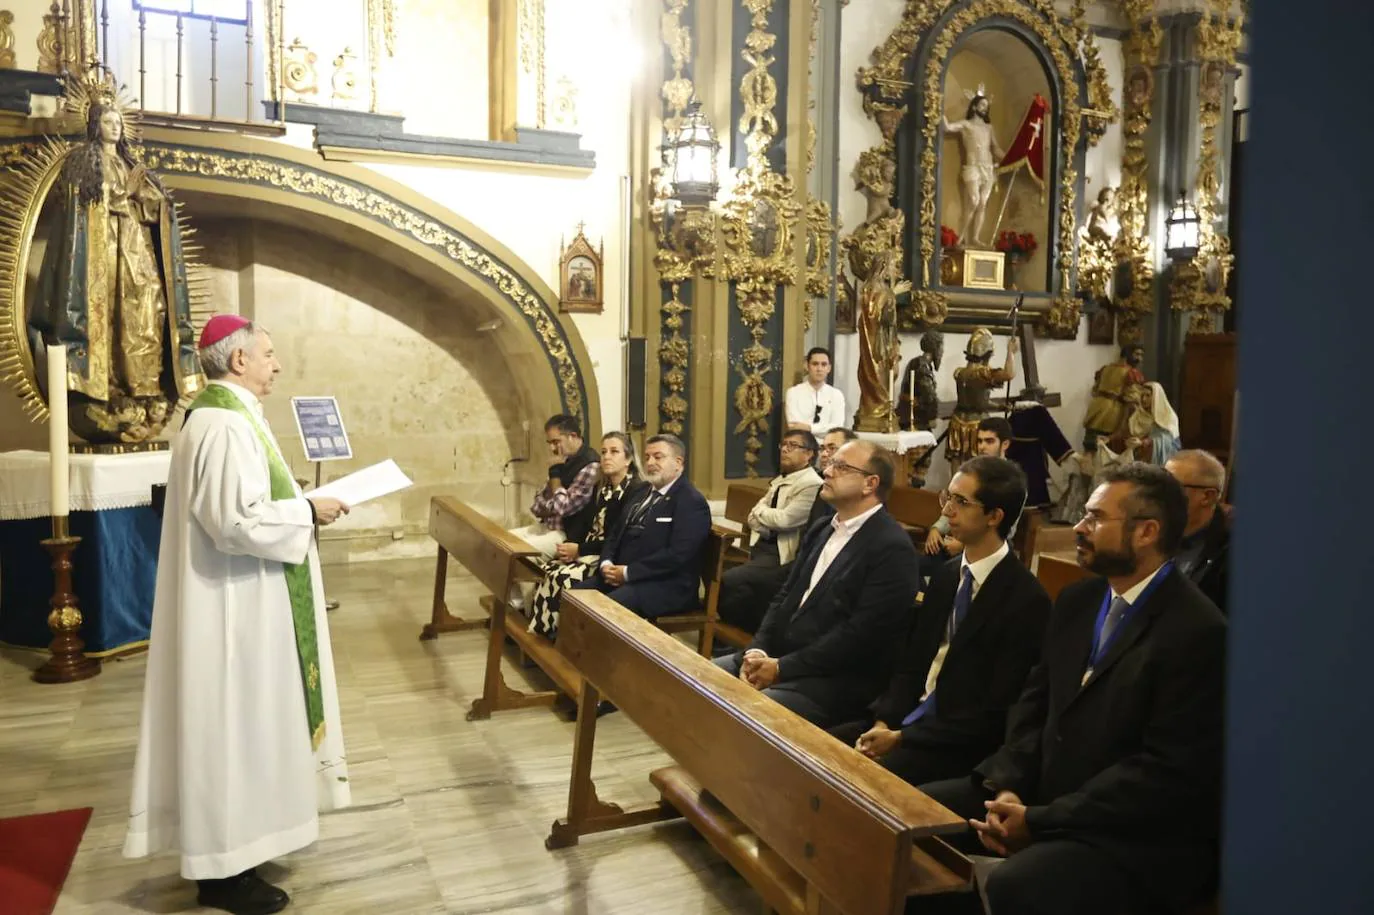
(35,854)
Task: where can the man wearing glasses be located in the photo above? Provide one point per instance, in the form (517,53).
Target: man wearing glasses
(776,524)
(814,405)
(1106,795)
(565,502)
(1203,556)
(976,637)
(829,639)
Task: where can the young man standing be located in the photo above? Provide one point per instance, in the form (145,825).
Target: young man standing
(814,405)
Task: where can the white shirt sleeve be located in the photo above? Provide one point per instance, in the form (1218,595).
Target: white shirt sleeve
(798,405)
(231,500)
(832,411)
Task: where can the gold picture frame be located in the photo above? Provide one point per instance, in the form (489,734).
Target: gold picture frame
(581,286)
(984,269)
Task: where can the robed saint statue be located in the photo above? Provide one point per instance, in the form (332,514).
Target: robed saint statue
(113,285)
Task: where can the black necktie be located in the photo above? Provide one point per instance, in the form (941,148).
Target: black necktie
(649,502)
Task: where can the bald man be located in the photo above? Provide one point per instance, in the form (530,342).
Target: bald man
(1204,554)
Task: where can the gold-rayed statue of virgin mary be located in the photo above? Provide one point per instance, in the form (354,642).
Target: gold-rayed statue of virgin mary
(112,281)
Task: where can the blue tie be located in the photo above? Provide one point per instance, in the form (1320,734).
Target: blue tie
(962,599)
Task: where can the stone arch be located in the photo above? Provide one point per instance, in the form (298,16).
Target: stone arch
(358,206)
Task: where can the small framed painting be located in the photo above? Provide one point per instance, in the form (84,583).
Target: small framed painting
(580,271)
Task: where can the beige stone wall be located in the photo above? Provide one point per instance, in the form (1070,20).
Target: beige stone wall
(415,381)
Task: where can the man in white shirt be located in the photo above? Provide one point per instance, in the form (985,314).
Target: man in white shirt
(814,405)
(829,640)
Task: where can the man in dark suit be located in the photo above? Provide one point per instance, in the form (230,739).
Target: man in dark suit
(1205,552)
(1105,797)
(976,637)
(651,562)
(826,646)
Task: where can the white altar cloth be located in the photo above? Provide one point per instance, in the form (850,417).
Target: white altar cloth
(900,442)
(98,481)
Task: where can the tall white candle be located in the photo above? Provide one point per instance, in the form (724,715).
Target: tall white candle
(57,431)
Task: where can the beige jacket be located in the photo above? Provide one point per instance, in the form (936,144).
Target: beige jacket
(797,492)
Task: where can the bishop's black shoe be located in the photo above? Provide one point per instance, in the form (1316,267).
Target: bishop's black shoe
(244,894)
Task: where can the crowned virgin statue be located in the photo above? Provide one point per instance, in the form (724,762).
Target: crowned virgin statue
(113,283)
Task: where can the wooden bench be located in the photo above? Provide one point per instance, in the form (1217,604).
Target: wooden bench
(814,826)
(494,556)
(1056,572)
(507,622)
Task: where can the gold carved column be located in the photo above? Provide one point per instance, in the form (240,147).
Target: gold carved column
(518,78)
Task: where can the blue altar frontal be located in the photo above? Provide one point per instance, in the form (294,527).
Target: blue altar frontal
(115,565)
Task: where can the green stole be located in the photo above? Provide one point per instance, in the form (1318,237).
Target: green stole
(298,586)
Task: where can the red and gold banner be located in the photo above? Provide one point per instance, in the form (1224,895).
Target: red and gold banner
(1028,149)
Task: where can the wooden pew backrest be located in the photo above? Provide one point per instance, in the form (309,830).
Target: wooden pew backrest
(1057,573)
(479,544)
(838,818)
(914,507)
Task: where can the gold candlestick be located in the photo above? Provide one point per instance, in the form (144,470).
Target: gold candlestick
(68,663)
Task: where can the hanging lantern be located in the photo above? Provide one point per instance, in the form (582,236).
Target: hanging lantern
(689,158)
(1181,230)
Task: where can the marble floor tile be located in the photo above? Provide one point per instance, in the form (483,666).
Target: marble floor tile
(448,815)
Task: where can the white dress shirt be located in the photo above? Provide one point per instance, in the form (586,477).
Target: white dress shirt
(981,570)
(841,533)
(801,400)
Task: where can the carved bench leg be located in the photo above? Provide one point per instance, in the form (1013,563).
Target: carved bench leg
(586,812)
(496,693)
(441,620)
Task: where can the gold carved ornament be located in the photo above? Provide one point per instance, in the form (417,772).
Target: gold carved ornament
(1199,284)
(677,258)
(1101,111)
(32,169)
(7,56)
(381,36)
(821,224)
(298,69)
(884,91)
(1134,250)
(414,224)
(757,226)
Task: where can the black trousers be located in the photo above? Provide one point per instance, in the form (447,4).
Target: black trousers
(1053,877)
(748,589)
(793,695)
(913,766)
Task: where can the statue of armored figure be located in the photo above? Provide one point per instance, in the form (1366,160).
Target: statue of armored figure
(979,156)
(973,384)
(919,404)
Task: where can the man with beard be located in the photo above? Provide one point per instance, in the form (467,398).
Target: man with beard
(979,155)
(1105,796)
(1116,391)
(651,562)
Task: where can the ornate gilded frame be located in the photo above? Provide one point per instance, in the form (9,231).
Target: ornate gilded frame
(569,300)
(908,77)
(33,169)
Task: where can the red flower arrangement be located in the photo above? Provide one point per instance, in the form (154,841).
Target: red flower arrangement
(1019,243)
(948,237)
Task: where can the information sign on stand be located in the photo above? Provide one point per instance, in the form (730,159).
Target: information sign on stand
(324,438)
(321,429)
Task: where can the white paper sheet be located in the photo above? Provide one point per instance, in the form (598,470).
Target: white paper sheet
(367,484)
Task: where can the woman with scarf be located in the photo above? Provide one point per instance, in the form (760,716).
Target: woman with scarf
(577,557)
